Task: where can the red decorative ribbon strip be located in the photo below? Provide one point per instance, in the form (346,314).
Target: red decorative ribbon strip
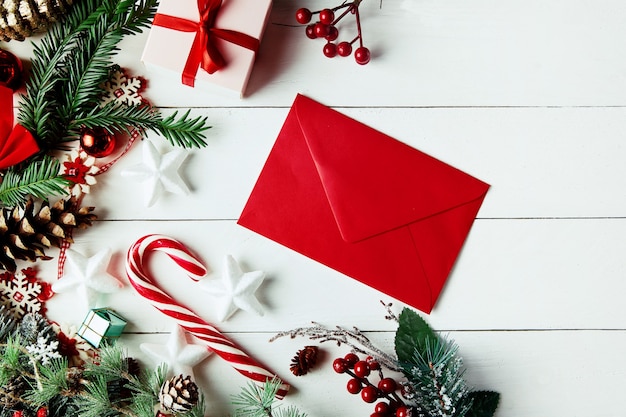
(204,52)
(16,143)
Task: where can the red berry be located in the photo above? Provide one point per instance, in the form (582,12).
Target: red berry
(333,33)
(387,385)
(377,415)
(361,369)
(351,359)
(373,363)
(369,394)
(362,55)
(340,365)
(403,411)
(327,16)
(354,386)
(330,50)
(382,407)
(321,30)
(42,412)
(310,31)
(18,413)
(303,16)
(344,48)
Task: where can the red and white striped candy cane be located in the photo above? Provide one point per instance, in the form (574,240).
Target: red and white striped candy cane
(187,319)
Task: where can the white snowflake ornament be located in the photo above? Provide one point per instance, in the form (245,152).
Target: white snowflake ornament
(22,292)
(44,350)
(159,172)
(122,89)
(235,290)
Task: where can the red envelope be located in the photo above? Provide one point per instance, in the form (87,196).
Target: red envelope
(363,203)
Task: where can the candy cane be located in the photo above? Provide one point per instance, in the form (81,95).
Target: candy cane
(187,319)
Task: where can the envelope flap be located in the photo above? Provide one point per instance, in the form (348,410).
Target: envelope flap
(373,182)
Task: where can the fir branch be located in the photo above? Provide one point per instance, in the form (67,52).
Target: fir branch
(436,374)
(183,131)
(353,338)
(179,131)
(53,379)
(255,401)
(139,17)
(40,179)
(111,364)
(146,390)
(11,363)
(87,66)
(72,61)
(95,402)
(35,105)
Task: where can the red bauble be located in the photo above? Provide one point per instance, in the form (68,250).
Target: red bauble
(97,142)
(10,70)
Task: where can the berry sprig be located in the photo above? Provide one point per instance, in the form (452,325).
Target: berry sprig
(326,28)
(391,405)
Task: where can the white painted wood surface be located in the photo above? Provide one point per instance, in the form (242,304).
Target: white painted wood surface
(526,95)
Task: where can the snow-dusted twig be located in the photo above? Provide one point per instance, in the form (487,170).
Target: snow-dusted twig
(353,338)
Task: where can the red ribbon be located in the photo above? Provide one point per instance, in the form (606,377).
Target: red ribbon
(16,143)
(203,51)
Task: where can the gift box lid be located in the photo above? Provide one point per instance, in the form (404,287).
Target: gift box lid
(167,50)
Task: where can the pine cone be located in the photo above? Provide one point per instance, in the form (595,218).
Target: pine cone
(21,18)
(25,233)
(8,322)
(132,366)
(178,394)
(11,393)
(32,327)
(75,381)
(304,360)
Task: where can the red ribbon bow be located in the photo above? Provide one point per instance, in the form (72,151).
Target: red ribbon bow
(16,143)
(203,51)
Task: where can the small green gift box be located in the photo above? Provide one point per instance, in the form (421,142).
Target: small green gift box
(101,324)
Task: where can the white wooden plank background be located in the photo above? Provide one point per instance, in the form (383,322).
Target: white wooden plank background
(528,96)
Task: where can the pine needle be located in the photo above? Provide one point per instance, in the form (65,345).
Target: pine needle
(40,179)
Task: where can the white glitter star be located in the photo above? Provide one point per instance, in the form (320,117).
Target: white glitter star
(159,172)
(88,276)
(235,290)
(179,356)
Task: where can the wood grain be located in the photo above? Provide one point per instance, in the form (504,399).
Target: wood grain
(528,96)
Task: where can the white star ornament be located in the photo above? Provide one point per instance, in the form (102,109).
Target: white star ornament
(159,172)
(235,290)
(179,356)
(88,275)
